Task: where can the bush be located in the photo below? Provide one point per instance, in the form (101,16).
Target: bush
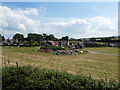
(52,47)
(28,77)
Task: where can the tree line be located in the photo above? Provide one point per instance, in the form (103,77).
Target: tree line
(33,38)
(2,38)
(39,38)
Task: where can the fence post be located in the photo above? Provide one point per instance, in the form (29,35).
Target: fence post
(17,64)
(8,61)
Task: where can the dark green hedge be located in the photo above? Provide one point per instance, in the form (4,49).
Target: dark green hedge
(52,47)
(33,78)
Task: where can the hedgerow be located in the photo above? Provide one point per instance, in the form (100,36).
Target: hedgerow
(52,47)
(29,77)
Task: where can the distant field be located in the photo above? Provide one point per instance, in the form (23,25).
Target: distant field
(110,50)
(98,65)
(101,43)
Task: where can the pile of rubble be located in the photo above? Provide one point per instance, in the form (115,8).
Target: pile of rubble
(46,50)
(64,52)
(77,50)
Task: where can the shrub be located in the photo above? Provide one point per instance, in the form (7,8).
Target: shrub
(52,47)
(28,77)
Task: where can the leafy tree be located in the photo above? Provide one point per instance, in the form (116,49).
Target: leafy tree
(72,39)
(39,38)
(18,36)
(25,42)
(92,39)
(1,38)
(44,36)
(50,37)
(8,40)
(65,38)
(106,39)
(34,37)
(79,39)
(56,39)
(31,37)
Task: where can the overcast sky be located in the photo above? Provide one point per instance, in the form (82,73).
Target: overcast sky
(74,19)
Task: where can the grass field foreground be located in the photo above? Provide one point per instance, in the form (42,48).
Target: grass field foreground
(98,65)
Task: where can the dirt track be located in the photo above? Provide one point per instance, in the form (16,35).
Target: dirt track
(104,53)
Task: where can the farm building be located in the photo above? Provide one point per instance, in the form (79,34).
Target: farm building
(8,42)
(52,43)
(64,43)
(114,44)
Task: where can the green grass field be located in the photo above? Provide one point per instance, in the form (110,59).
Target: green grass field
(98,65)
(110,50)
